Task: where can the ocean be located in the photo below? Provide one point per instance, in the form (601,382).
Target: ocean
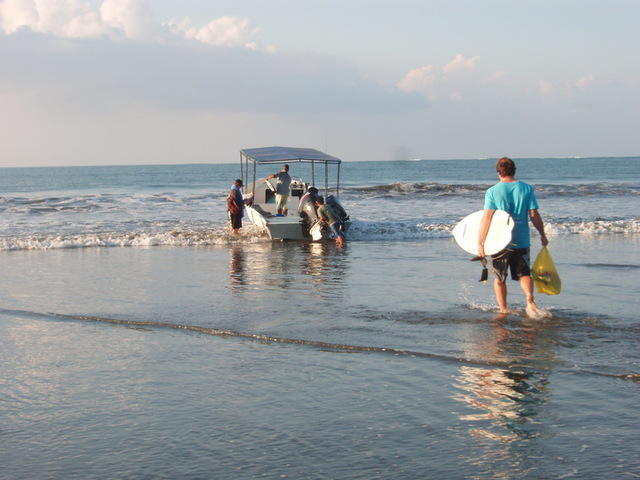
(140,340)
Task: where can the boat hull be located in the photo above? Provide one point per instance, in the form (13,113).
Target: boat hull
(288,228)
(278,228)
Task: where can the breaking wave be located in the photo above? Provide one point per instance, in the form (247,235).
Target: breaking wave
(219,235)
(397,189)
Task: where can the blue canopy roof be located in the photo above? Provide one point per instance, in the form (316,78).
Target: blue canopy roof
(288,154)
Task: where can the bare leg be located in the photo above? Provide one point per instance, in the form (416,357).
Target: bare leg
(526,283)
(501,294)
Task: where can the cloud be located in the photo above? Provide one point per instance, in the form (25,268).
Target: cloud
(227,31)
(76,19)
(63,53)
(119,19)
(585,83)
(461,80)
(565,90)
(459,64)
(134,18)
(17,13)
(455,81)
(419,79)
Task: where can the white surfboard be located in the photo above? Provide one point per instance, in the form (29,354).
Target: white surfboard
(499,236)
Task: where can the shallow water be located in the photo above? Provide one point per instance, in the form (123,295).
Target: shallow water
(139,340)
(184,205)
(289,360)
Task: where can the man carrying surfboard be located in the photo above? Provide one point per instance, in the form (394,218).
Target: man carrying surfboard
(518,199)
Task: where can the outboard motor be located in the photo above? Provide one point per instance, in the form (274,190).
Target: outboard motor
(307,210)
(337,207)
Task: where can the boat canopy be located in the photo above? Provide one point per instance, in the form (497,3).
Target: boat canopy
(282,155)
(288,154)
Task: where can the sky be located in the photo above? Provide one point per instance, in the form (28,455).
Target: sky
(102,82)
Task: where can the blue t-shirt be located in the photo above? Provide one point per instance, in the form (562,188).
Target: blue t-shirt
(515,198)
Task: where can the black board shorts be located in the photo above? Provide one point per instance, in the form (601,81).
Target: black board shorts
(514,260)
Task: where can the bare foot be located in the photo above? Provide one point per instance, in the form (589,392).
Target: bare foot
(537,313)
(532,310)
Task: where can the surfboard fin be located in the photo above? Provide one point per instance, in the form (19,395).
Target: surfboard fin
(484,276)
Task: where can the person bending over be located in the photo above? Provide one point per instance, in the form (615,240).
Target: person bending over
(333,221)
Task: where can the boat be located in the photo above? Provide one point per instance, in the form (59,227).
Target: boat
(302,222)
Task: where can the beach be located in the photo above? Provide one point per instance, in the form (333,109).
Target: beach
(140,340)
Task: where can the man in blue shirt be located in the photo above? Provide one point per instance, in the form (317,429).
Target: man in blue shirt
(518,199)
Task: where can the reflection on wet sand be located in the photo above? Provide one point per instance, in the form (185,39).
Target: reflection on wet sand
(237,266)
(504,403)
(324,262)
(287,266)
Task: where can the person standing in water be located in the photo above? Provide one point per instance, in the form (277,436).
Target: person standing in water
(518,200)
(282,189)
(235,207)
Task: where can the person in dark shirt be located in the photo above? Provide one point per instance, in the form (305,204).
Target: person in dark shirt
(235,207)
